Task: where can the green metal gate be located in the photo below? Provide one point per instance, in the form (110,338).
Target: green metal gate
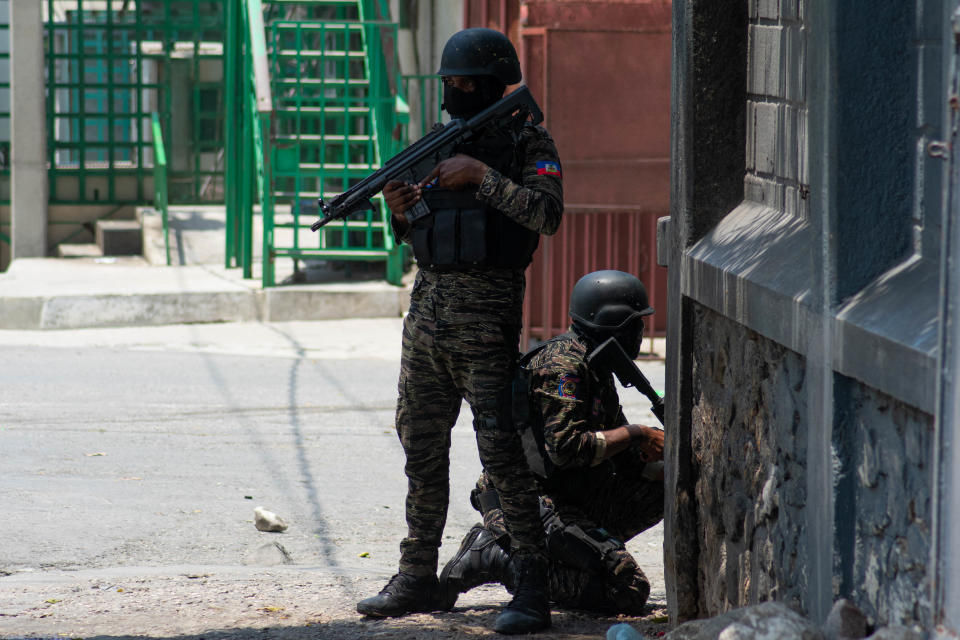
(331,113)
(110,65)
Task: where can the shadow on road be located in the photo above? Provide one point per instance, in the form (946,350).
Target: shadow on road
(461,623)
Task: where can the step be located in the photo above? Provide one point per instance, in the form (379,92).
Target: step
(320,82)
(331,3)
(120,237)
(316,54)
(317,138)
(337,167)
(333,253)
(313,24)
(294,111)
(89,250)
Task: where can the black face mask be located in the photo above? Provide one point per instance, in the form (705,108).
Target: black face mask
(460,104)
(631,338)
(631,344)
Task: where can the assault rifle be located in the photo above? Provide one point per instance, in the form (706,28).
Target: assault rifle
(416,161)
(611,356)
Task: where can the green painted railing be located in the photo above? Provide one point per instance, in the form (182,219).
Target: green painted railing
(260,107)
(248,122)
(428,90)
(338,114)
(160,182)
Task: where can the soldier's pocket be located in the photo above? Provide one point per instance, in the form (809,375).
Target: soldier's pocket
(418,334)
(491,333)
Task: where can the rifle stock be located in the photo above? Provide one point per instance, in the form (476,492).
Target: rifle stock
(416,161)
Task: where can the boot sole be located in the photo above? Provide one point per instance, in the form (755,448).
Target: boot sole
(515,627)
(396,613)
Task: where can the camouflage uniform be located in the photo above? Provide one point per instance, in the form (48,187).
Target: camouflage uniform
(460,342)
(585,489)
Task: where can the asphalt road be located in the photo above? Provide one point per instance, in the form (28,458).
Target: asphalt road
(132,461)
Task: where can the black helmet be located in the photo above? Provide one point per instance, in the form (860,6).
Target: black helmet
(480,52)
(610,304)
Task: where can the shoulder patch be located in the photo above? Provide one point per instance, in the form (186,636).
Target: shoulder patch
(568,386)
(547,168)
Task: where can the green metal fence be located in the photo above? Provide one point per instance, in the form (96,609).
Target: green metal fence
(110,66)
(426,92)
(273,102)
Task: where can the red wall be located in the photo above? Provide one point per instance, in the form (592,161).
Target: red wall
(600,71)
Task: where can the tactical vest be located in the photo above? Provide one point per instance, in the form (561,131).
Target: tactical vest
(461,232)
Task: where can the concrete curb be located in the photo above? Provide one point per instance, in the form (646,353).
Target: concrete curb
(49,293)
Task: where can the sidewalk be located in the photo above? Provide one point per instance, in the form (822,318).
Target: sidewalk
(74,293)
(89,293)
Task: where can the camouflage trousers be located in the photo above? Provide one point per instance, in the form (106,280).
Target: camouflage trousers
(440,367)
(614,498)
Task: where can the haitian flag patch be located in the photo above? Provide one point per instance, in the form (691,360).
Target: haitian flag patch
(568,386)
(545,168)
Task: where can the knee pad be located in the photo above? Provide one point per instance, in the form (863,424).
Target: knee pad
(592,550)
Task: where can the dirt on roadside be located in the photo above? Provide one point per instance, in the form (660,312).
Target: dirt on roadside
(270,603)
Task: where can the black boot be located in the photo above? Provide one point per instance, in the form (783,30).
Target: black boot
(480,560)
(404,594)
(529,610)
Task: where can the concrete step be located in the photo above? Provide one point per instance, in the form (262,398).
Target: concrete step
(120,237)
(79,251)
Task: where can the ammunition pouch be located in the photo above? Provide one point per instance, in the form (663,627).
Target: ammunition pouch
(461,233)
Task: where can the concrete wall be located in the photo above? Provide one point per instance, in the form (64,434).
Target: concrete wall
(804,292)
(28,140)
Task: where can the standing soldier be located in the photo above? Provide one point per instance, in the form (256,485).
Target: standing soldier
(602,478)
(489,204)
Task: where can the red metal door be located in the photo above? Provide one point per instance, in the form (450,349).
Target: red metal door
(601,72)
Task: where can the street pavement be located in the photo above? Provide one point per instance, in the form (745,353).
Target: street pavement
(135,456)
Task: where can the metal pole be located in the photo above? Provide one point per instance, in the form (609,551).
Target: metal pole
(946,564)
(232,146)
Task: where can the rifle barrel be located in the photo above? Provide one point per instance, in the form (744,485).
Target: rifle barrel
(453,132)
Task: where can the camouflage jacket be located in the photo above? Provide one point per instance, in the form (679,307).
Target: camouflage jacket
(575,401)
(496,295)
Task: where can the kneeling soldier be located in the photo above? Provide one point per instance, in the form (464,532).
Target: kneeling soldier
(600,478)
